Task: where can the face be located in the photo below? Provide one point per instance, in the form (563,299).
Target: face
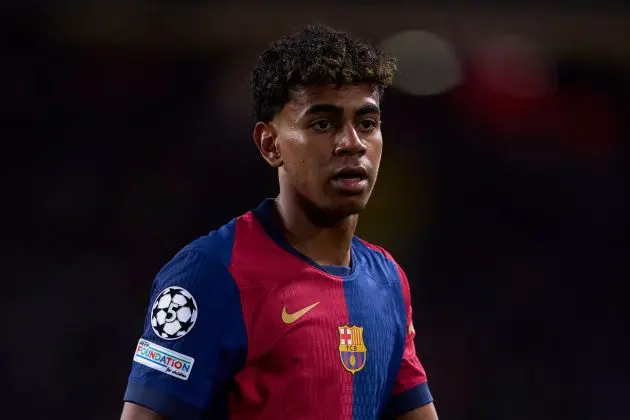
(327,144)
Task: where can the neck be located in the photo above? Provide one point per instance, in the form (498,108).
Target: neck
(316,234)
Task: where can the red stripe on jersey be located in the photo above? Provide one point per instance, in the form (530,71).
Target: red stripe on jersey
(293,367)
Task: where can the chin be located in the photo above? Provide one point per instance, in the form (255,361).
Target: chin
(353,206)
(347,205)
(328,210)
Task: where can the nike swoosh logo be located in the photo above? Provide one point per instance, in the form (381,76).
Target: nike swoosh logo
(288,318)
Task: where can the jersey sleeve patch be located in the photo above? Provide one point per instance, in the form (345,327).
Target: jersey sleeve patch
(174,313)
(164,360)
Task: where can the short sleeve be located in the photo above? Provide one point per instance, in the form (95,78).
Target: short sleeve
(194,338)
(411,389)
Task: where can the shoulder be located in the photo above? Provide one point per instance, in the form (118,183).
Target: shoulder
(373,249)
(201,264)
(378,258)
(216,246)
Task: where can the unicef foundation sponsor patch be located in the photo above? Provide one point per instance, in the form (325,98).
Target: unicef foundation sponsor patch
(163,359)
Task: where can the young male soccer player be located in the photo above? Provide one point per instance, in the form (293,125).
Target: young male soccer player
(283,313)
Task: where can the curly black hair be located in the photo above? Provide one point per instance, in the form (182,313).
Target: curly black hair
(317,54)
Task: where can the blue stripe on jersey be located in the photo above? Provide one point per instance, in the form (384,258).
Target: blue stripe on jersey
(375,302)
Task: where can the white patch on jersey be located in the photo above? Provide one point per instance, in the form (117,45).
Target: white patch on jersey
(163,359)
(174,313)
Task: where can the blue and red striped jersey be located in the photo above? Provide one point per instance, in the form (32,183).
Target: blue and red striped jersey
(243,326)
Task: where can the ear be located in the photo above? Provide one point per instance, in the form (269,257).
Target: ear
(265,137)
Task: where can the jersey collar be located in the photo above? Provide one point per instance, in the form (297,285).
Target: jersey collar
(267,215)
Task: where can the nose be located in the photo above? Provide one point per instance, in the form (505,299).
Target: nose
(349,143)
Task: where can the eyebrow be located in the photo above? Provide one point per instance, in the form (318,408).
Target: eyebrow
(334,109)
(368,109)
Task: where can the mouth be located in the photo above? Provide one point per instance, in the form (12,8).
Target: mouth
(351,172)
(350,180)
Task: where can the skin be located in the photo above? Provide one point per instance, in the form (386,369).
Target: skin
(321,130)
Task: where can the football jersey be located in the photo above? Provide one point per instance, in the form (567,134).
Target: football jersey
(243,326)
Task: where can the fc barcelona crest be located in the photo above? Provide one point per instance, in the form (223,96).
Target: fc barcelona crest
(351,348)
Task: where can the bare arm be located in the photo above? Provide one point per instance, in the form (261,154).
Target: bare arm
(133,411)
(426,412)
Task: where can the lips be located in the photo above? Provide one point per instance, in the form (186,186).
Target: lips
(351,172)
(350,180)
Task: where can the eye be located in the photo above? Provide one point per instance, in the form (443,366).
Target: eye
(367,125)
(322,125)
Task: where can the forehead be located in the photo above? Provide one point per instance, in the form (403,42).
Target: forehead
(347,97)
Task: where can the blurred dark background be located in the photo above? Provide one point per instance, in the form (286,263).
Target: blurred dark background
(503,189)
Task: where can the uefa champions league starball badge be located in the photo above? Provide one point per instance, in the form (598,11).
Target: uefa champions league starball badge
(174,313)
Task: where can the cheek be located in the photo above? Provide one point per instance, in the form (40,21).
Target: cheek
(375,149)
(291,150)
(295,143)
(308,153)
(300,161)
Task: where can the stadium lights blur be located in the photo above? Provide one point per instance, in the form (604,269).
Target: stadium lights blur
(427,64)
(515,66)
